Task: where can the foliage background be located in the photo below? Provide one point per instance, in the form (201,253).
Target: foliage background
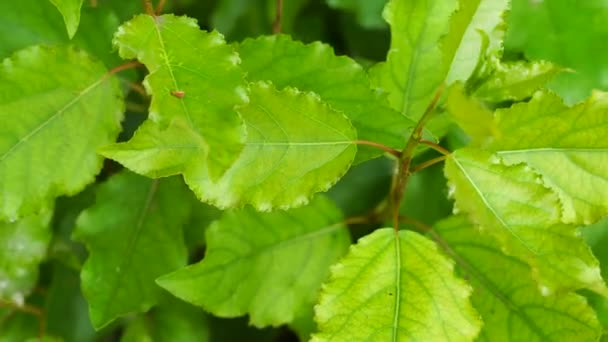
(572,34)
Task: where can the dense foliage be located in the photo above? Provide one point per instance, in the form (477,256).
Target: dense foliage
(325,170)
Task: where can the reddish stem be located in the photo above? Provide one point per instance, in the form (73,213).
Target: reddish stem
(149,8)
(276,26)
(435,147)
(379,146)
(159,7)
(427,163)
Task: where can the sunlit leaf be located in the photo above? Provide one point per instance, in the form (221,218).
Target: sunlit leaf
(512,204)
(339,81)
(267,265)
(470,114)
(194,78)
(57,107)
(464,43)
(395,288)
(133,234)
(415,65)
(516,81)
(70,10)
(566,145)
(512,306)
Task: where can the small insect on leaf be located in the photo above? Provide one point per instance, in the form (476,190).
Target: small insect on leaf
(178,93)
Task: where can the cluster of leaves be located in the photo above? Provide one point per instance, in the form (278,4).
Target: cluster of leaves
(213,206)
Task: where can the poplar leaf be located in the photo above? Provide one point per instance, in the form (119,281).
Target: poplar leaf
(23,246)
(415,65)
(267,265)
(516,81)
(70,10)
(133,235)
(463,45)
(296,146)
(395,288)
(57,106)
(506,296)
(470,114)
(339,81)
(512,204)
(566,145)
(195,78)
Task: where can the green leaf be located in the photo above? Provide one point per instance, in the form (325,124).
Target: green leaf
(173,321)
(298,144)
(516,81)
(464,43)
(339,81)
(533,30)
(70,10)
(66,309)
(368,12)
(470,114)
(395,288)
(507,297)
(267,265)
(544,133)
(48,150)
(23,246)
(512,204)
(415,65)
(195,78)
(130,248)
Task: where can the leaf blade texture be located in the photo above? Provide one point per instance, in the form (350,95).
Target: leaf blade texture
(23,246)
(50,149)
(395,280)
(473,22)
(70,10)
(194,78)
(512,204)
(545,133)
(339,81)
(415,65)
(269,265)
(516,81)
(506,295)
(296,146)
(129,249)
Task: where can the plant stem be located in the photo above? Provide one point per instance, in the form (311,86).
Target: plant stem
(122,67)
(428,163)
(380,146)
(32,310)
(402,174)
(435,147)
(276,25)
(159,7)
(149,8)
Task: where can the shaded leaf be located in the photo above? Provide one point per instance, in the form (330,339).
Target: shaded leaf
(23,246)
(415,65)
(48,150)
(70,10)
(172,321)
(368,12)
(395,288)
(339,81)
(267,265)
(566,145)
(509,300)
(194,78)
(133,234)
(512,204)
